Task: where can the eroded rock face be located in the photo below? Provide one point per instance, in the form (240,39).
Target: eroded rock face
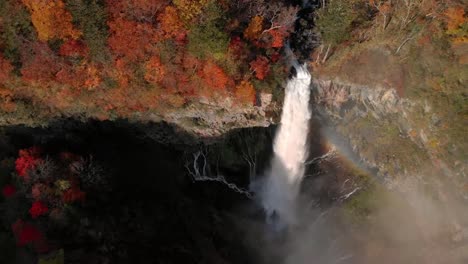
(209,119)
(339,96)
(202,121)
(396,135)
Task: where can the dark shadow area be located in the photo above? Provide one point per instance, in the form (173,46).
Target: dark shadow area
(152,211)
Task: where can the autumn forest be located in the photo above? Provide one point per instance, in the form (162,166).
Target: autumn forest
(108,57)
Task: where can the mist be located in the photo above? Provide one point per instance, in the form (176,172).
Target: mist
(329,217)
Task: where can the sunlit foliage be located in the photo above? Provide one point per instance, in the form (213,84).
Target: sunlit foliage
(114,57)
(190,9)
(51,20)
(457,23)
(214,77)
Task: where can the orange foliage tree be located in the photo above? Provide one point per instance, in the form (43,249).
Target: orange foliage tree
(121,72)
(130,39)
(214,76)
(245,93)
(154,70)
(6,100)
(277,37)
(254,29)
(170,23)
(5,69)
(455,17)
(456,21)
(261,67)
(51,19)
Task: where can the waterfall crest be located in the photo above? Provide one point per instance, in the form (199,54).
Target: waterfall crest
(281,187)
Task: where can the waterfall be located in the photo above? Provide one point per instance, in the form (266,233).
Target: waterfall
(281,186)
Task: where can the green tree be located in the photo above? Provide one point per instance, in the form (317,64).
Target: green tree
(16,29)
(208,37)
(334,21)
(90,16)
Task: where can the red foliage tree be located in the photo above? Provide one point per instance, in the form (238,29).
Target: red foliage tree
(38,209)
(27,234)
(261,67)
(27,160)
(277,37)
(8,190)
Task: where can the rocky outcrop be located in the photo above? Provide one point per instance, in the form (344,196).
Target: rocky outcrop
(211,119)
(336,96)
(395,135)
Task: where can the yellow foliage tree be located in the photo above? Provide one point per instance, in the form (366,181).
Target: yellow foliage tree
(51,19)
(457,23)
(252,32)
(189,9)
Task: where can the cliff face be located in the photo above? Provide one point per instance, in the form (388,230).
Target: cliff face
(388,132)
(420,183)
(208,119)
(392,81)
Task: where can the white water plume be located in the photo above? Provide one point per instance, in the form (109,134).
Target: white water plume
(281,187)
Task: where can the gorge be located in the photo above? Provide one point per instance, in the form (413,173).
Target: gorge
(185,131)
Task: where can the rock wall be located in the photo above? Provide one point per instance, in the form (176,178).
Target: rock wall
(393,134)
